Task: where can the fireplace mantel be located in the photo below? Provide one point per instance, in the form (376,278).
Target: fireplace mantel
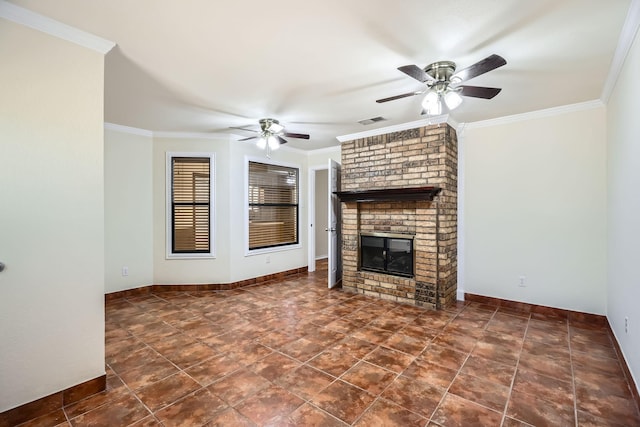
(389,194)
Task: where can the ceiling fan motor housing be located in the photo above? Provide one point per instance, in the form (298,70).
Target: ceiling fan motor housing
(441,72)
(265,124)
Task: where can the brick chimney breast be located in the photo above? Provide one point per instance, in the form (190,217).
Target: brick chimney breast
(419,157)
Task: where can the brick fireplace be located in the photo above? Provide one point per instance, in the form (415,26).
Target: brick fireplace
(403,183)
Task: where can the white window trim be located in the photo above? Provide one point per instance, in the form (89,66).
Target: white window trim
(250,252)
(212,205)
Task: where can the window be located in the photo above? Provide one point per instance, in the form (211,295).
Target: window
(273,205)
(189,184)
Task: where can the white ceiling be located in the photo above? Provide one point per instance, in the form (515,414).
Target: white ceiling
(201,66)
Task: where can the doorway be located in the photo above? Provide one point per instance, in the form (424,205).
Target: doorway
(318,207)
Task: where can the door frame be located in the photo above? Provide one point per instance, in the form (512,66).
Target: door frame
(334,225)
(311,213)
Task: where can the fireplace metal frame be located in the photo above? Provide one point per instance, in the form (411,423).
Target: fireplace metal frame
(406,236)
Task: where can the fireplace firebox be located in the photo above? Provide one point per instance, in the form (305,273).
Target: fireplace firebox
(389,253)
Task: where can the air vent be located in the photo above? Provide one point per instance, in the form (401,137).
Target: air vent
(371,120)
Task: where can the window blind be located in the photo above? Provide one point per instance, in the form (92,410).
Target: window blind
(273,205)
(190,201)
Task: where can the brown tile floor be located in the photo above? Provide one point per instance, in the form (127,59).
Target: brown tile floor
(296,354)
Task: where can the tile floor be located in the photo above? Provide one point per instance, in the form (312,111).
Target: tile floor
(296,354)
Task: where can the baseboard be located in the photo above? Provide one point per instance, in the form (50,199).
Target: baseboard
(128,293)
(145,290)
(625,367)
(53,402)
(540,310)
(572,316)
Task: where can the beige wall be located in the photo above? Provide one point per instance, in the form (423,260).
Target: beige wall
(231,263)
(623,203)
(191,271)
(534,206)
(52,215)
(246,267)
(128,210)
(141,191)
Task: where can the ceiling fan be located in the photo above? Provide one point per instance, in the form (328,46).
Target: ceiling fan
(270,135)
(443,83)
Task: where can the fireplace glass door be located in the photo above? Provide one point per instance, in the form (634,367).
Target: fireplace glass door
(387,253)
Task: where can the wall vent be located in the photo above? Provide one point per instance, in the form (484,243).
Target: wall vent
(371,120)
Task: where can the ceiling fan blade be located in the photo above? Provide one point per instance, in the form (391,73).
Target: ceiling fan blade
(243,128)
(247,139)
(415,72)
(479,91)
(487,64)
(404,95)
(281,140)
(296,135)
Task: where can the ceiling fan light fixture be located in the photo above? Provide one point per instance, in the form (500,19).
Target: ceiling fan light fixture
(444,83)
(273,143)
(431,103)
(453,99)
(276,127)
(262,143)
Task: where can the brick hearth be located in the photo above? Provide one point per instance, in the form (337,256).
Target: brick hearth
(418,157)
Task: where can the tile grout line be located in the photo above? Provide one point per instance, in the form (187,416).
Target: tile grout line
(323,307)
(444,395)
(515,372)
(180,370)
(133,392)
(362,360)
(397,375)
(573,376)
(506,403)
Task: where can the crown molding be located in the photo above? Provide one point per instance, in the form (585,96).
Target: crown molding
(30,19)
(453,123)
(394,128)
(153,134)
(127,129)
(627,36)
(189,135)
(548,112)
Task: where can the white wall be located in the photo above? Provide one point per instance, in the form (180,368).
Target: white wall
(192,271)
(321,157)
(623,214)
(247,267)
(534,206)
(128,210)
(141,191)
(321,213)
(52,215)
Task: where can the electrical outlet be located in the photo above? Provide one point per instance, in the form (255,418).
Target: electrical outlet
(626,325)
(523,281)
(125,271)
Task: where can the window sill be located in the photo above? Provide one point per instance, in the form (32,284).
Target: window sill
(190,256)
(251,252)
